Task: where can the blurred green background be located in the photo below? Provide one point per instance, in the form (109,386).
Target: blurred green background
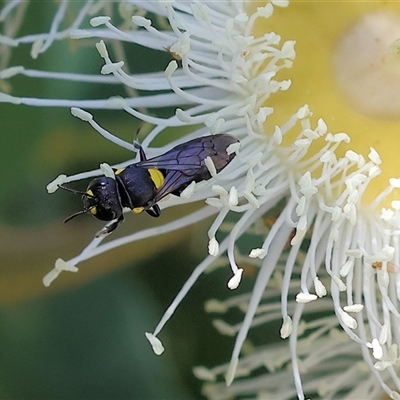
(83,338)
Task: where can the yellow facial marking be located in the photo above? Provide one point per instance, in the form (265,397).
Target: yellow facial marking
(93,210)
(157,177)
(137,210)
(118,171)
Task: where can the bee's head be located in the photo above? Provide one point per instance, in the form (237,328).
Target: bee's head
(101,199)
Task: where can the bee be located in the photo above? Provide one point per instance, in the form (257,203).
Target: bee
(140,186)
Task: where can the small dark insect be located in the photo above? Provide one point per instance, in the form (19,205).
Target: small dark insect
(140,186)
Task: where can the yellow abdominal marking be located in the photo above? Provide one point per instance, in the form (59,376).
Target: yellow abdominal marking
(137,210)
(157,177)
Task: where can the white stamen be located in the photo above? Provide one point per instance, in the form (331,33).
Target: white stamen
(156,344)
(337,213)
(218,189)
(233,148)
(188,191)
(36,49)
(215,306)
(200,11)
(171,68)
(233,197)
(356,253)
(251,199)
(301,206)
(383,334)
(60,266)
(337,138)
(287,327)
(303,112)
(53,186)
(231,371)
(218,127)
(265,11)
(6,98)
(213,247)
(381,366)
(393,352)
(352,156)
(346,268)
(387,214)
(10,72)
(112,67)
(354,308)
(374,156)
(210,166)
(183,115)
(80,34)
(234,282)
(204,374)
(339,283)
(83,115)
(97,21)
(348,320)
(374,172)
(182,46)
(223,328)
(320,289)
(258,253)
(102,49)
(394,182)
(107,170)
(395,204)
(141,21)
(305,297)
(214,202)
(377,350)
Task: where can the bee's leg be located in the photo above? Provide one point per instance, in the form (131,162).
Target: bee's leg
(139,147)
(109,228)
(154,211)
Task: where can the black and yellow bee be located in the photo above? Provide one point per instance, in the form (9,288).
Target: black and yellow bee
(140,186)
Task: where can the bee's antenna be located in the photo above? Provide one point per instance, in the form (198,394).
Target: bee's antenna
(138,146)
(75,215)
(73,190)
(84,211)
(140,126)
(136,141)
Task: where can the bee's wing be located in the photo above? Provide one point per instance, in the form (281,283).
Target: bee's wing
(185,163)
(189,157)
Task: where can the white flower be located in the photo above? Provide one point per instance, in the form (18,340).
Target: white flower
(322,248)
